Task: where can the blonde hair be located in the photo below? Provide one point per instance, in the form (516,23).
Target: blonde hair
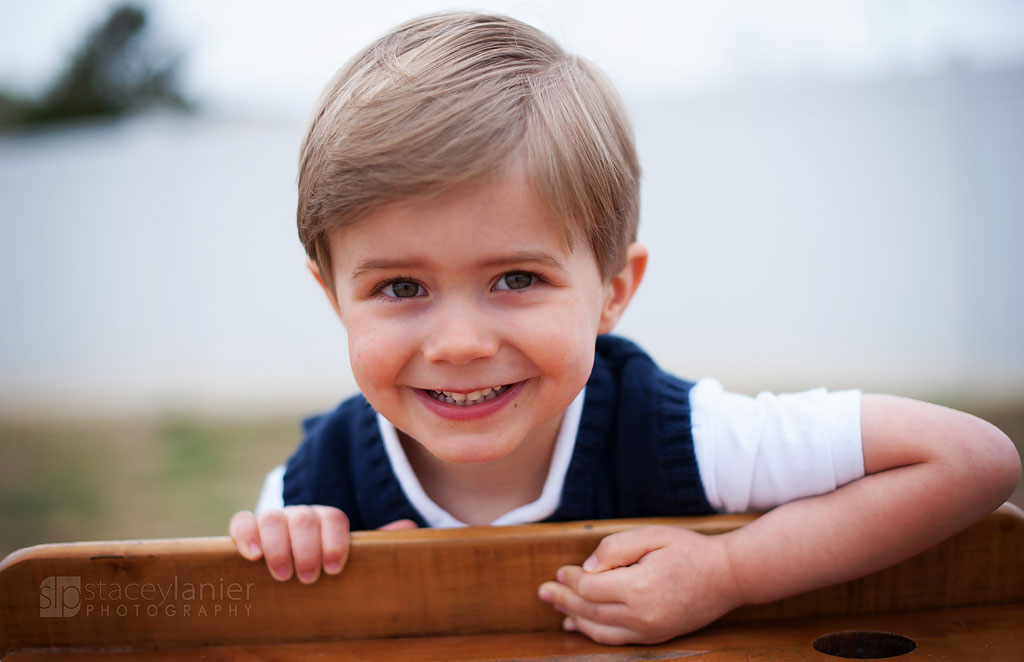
(449,97)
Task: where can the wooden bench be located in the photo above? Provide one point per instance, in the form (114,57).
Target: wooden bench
(470,594)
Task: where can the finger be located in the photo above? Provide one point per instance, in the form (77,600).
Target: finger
(246,534)
(277,546)
(613,635)
(608,586)
(624,548)
(307,541)
(334,538)
(399,525)
(568,602)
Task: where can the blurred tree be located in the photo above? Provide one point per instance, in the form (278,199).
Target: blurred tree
(118,69)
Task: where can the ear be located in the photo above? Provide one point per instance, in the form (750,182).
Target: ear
(315,270)
(622,287)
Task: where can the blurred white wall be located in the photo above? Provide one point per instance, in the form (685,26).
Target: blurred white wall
(840,227)
(847,233)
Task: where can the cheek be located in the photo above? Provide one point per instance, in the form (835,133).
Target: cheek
(561,344)
(375,351)
(578,333)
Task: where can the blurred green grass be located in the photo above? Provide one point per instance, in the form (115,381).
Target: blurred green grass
(166,478)
(171,477)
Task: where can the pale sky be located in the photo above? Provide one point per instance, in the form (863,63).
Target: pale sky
(273,57)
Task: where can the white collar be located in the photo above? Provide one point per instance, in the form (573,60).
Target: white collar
(544,506)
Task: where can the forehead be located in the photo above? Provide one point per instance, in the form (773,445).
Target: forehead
(487,213)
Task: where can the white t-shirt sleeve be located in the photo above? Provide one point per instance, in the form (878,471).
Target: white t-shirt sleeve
(272,494)
(758,453)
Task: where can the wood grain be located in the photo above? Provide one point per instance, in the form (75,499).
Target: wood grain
(989,633)
(200,592)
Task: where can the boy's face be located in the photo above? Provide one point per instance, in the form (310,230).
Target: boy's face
(466,292)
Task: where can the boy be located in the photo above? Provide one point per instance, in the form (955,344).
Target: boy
(468,197)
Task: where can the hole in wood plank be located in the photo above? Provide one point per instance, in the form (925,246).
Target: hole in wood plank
(860,645)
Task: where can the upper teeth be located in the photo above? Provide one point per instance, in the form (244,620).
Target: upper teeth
(471,398)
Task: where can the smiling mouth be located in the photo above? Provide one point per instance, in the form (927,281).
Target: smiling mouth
(468,399)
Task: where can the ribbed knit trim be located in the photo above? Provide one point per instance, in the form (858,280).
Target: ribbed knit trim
(674,431)
(297,486)
(379,495)
(594,431)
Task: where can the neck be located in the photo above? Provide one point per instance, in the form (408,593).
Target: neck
(480,492)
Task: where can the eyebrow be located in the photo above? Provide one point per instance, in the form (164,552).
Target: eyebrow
(525,257)
(521,257)
(382,265)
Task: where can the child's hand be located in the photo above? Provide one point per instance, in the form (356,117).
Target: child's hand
(309,536)
(304,537)
(645,586)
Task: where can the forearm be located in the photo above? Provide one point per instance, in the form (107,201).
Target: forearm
(964,471)
(819,541)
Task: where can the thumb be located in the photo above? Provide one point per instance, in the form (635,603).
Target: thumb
(623,548)
(398,525)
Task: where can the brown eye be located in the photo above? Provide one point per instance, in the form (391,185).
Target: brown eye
(402,289)
(516,280)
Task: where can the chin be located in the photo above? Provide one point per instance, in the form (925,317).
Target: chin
(470,453)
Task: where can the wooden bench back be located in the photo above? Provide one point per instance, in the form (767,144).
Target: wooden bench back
(200,591)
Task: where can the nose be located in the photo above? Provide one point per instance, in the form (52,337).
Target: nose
(459,334)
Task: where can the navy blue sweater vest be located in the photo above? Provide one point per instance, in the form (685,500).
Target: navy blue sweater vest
(633,455)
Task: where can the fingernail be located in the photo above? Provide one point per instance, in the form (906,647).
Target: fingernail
(569,624)
(544,593)
(281,572)
(332,568)
(590,564)
(254,550)
(307,577)
(560,575)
